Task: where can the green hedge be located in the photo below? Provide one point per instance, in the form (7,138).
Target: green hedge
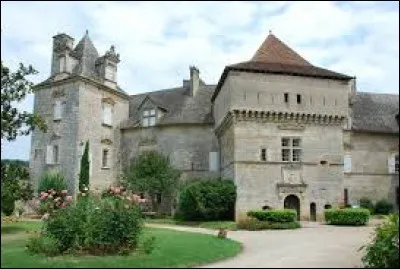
(207,199)
(383,207)
(275,215)
(348,216)
(252,224)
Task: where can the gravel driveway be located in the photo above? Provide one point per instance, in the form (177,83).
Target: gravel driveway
(314,245)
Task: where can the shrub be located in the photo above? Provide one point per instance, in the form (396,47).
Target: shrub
(208,199)
(383,207)
(367,204)
(7,205)
(52,181)
(276,215)
(52,200)
(42,244)
(383,251)
(149,245)
(253,224)
(348,216)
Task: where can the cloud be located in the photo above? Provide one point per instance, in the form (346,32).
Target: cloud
(158,41)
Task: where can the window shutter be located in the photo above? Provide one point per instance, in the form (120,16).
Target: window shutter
(214,161)
(391,164)
(49,155)
(347,163)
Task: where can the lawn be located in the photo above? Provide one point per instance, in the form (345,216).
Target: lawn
(173,249)
(214,225)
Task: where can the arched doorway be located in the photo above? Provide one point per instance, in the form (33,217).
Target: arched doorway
(313,212)
(292,202)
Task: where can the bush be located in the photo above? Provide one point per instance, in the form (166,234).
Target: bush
(52,200)
(383,207)
(383,251)
(149,245)
(42,244)
(367,204)
(208,199)
(7,205)
(348,216)
(276,215)
(52,181)
(253,224)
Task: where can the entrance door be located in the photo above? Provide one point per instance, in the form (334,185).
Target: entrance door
(292,202)
(313,212)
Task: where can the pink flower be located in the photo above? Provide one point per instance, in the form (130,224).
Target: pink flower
(63,205)
(50,196)
(68,198)
(64,192)
(42,193)
(57,199)
(143,201)
(42,198)
(117,190)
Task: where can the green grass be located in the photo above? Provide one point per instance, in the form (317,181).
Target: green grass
(172,249)
(214,225)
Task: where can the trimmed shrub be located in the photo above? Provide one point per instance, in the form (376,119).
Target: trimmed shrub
(42,244)
(275,215)
(85,167)
(383,207)
(208,199)
(367,204)
(348,216)
(52,181)
(383,251)
(253,224)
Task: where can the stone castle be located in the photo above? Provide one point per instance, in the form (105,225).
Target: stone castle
(288,133)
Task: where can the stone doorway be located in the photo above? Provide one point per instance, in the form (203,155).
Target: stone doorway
(313,212)
(292,202)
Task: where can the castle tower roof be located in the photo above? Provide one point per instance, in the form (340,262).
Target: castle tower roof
(273,50)
(87,53)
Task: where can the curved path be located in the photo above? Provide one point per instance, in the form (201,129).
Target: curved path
(315,245)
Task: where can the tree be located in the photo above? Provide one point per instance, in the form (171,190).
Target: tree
(14,87)
(85,166)
(152,173)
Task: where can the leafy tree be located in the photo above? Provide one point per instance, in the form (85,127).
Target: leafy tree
(85,166)
(14,87)
(14,186)
(152,173)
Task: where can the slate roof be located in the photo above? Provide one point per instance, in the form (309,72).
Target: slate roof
(274,56)
(373,112)
(179,105)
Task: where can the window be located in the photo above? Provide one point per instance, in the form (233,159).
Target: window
(62,64)
(214,161)
(263,154)
(393,163)
(58,110)
(37,152)
(149,118)
(346,197)
(291,149)
(110,73)
(107,114)
(299,99)
(105,158)
(327,206)
(52,154)
(347,163)
(286,95)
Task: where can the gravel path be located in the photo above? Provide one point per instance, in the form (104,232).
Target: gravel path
(315,245)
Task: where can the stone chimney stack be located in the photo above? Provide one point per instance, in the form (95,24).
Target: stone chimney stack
(194,80)
(62,45)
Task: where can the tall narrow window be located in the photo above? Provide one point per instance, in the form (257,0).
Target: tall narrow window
(214,161)
(107,114)
(62,64)
(58,110)
(347,163)
(323,100)
(105,158)
(291,149)
(299,99)
(286,96)
(110,73)
(346,197)
(55,154)
(149,118)
(263,154)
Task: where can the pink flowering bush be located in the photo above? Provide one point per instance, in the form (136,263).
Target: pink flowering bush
(120,192)
(52,200)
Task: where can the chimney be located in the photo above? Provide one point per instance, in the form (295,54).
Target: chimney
(62,43)
(194,80)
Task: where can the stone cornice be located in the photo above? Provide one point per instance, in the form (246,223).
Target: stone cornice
(286,120)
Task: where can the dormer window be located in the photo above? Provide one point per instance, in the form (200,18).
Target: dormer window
(110,72)
(149,118)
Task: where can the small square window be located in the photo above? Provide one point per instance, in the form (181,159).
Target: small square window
(152,112)
(285,155)
(296,155)
(296,142)
(146,113)
(285,142)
